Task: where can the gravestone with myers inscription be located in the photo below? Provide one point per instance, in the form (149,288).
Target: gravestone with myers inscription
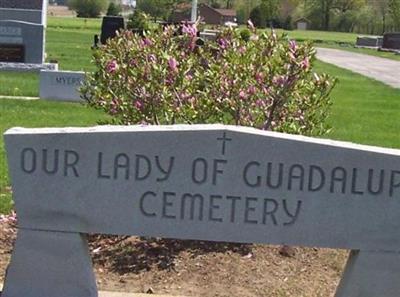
(22,31)
(207,182)
(61,85)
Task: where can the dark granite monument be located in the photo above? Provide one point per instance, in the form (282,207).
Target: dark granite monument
(22,31)
(391,41)
(109,27)
(369,41)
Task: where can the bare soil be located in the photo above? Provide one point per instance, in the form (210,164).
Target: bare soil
(196,268)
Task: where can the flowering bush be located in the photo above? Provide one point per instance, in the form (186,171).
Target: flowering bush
(264,81)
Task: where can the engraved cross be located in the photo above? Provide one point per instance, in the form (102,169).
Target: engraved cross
(224,139)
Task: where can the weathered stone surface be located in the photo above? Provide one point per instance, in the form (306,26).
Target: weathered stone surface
(50,264)
(214,182)
(61,85)
(28,67)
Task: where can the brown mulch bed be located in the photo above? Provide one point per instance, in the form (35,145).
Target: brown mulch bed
(195,268)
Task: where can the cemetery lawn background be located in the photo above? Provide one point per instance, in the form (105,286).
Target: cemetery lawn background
(364,111)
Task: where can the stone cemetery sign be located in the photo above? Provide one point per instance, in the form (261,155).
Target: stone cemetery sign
(22,34)
(61,85)
(207,182)
(391,41)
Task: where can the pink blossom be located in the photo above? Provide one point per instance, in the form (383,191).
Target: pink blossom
(292,45)
(280,80)
(259,77)
(147,42)
(190,30)
(252,90)
(305,64)
(242,49)
(260,103)
(173,64)
(112,66)
(242,95)
(223,43)
(152,58)
(138,104)
(133,63)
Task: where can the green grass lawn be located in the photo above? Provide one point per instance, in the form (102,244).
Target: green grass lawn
(20,113)
(321,36)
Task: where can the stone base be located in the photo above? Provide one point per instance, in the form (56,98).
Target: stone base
(371,274)
(392,50)
(369,47)
(6,66)
(50,264)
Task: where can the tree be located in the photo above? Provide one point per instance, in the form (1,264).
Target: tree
(159,9)
(394,10)
(269,10)
(113,9)
(88,8)
(257,18)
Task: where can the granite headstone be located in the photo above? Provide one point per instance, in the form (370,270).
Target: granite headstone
(29,37)
(391,41)
(207,182)
(61,85)
(369,41)
(31,11)
(109,27)
(22,31)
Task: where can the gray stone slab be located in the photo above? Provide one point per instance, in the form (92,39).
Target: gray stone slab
(28,34)
(369,41)
(61,85)
(24,15)
(391,41)
(50,264)
(215,182)
(371,274)
(4,66)
(23,4)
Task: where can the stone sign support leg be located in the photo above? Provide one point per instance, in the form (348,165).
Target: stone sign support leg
(50,264)
(371,274)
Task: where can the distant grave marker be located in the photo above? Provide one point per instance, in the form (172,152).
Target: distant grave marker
(369,41)
(61,85)
(206,182)
(109,27)
(22,25)
(391,41)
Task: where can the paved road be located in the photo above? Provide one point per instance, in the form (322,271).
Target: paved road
(384,70)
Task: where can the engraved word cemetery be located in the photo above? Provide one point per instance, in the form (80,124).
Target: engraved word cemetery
(206,182)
